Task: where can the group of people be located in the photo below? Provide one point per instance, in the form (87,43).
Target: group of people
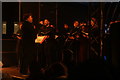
(67,46)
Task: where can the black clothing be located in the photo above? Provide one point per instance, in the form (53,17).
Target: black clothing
(29,34)
(94,36)
(28,41)
(66,32)
(75,31)
(114,44)
(48,49)
(79,45)
(38,27)
(72,46)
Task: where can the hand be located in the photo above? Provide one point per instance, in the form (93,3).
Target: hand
(19,37)
(71,37)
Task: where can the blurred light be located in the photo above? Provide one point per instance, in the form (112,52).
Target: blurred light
(105,31)
(105,25)
(4,27)
(105,58)
(106,28)
(15,24)
(4,24)
(1,64)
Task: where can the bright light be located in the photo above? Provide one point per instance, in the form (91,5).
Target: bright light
(4,24)
(15,24)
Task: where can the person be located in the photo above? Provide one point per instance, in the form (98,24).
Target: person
(28,40)
(82,55)
(114,43)
(94,27)
(62,40)
(47,51)
(72,44)
(94,36)
(19,43)
(84,29)
(64,33)
(39,25)
(66,29)
(75,31)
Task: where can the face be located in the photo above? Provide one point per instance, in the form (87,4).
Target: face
(41,22)
(30,19)
(76,24)
(83,27)
(46,22)
(65,26)
(92,23)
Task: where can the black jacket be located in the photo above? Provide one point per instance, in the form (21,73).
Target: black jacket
(28,31)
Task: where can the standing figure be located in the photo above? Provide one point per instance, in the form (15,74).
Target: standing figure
(94,34)
(84,45)
(72,44)
(19,43)
(28,40)
(49,46)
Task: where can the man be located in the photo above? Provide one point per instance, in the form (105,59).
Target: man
(50,45)
(75,31)
(114,43)
(47,49)
(94,36)
(66,30)
(28,40)
(72,45)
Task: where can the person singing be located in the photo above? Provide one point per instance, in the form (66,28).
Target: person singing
(28,40)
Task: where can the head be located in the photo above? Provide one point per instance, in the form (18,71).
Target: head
(46,22)
(76,24)
(93,21)
(66,26)
(28,17)
(83,24)
(40,22)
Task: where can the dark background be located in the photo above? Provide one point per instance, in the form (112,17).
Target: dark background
(59,12)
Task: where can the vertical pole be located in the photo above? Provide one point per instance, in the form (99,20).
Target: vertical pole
(19,10)
(101,28)
(56,16)
(19,22)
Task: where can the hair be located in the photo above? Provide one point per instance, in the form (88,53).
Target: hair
(76,21)
(93,19)
(95,22)
(25,16)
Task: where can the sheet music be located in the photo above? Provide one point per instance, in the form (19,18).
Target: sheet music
(40,39)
